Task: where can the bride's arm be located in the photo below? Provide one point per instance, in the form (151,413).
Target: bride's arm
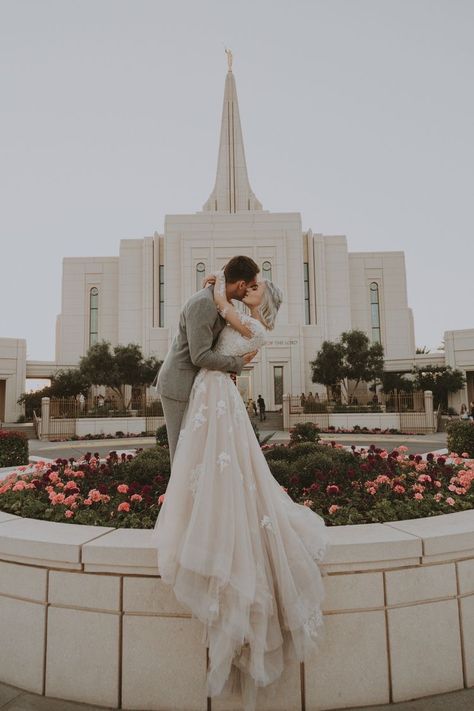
(234,318)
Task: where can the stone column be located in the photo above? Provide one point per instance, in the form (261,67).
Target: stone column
(429,412)
(45,402)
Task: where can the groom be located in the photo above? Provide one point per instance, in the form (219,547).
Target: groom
(199,327)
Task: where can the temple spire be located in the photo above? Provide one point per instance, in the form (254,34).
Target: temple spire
(232,191)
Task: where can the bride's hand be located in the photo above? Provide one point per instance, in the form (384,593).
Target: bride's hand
(210,279)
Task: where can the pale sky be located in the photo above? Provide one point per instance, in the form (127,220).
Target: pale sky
(357,113)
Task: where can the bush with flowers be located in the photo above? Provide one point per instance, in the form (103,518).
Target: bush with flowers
(372,485)
(344,486)
(461,436)
(120,491)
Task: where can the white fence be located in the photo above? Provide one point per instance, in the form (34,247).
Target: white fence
(422,420)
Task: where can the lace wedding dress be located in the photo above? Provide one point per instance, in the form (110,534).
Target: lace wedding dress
(237,550)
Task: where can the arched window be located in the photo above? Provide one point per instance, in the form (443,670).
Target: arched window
(200,273)
(161,297)
(375,311)
(93,315)
(307,311)
(267,270)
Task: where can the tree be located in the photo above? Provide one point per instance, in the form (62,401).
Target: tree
(32,401)
(327,366)
(363,361)
(441,380)
(68,383)
(420,350)
(395,380)
(124,365)
(352,358)
(64,383)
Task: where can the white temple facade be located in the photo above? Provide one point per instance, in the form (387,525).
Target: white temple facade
(137,296)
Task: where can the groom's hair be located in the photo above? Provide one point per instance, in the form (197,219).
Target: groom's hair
(240,268)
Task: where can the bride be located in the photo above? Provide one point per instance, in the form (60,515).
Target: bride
(236,549)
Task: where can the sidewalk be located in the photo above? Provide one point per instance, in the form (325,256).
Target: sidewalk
(38,446)
(13,699)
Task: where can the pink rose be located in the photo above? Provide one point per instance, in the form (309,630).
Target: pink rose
(136,497)
(124,506)
(418,496)
(122,488)
(450,501)
(69,513)
(333,508)
(161,499)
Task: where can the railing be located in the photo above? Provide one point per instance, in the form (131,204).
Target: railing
(399,412)
(75,408)
(362,402)
(439,419)
(66,418)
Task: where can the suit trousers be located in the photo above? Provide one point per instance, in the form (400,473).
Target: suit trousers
(173,411)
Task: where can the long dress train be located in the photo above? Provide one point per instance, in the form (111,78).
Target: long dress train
(237,550)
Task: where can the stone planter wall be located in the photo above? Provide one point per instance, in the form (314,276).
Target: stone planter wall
(84,616)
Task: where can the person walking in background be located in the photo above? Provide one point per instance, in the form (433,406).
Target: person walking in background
(262,408)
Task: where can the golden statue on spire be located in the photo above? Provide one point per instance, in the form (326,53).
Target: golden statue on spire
(229,58)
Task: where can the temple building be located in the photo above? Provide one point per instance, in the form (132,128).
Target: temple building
(136,297)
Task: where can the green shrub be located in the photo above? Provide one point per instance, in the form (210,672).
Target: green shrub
(314,467)
(281,471)
(146,465)
(461,436)
(13,448)
(283,452)
(301,449)
(305,432)
(162,436)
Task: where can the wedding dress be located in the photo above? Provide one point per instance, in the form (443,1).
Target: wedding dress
(237,550)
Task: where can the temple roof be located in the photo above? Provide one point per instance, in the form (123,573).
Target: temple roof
(232,191)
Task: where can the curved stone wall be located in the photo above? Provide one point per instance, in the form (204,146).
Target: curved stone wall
(84,616)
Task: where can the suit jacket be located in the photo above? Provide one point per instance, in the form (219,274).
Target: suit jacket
(199,327)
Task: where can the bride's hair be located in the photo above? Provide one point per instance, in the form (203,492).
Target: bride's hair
(271,302)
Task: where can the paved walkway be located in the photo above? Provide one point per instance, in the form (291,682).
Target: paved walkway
(13,699)
(417,444)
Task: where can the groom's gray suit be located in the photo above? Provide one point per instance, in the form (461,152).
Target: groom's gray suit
(199,327)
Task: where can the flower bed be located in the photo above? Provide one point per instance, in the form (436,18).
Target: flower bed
(345,487)
(364,430)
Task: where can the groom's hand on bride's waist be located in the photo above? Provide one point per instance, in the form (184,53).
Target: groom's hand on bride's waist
(249,356)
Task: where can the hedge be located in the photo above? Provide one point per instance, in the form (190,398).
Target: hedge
(13,448)
(461,437)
